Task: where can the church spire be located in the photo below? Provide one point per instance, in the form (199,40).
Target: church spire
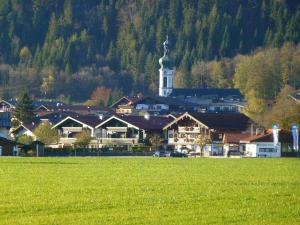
(166,61)
(166,71)
(166,46)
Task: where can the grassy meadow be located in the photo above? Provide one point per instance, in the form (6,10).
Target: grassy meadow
(149,191)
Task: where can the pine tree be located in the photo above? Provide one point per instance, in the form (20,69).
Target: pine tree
(24,109)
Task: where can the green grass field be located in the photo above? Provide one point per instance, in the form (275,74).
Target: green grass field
(149,191)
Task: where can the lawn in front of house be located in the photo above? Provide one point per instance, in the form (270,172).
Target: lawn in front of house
(145,190)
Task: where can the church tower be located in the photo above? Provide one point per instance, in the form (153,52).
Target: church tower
(166,72)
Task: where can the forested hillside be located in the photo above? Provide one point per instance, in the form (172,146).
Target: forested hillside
(54,48)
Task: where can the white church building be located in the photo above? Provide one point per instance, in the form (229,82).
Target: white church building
(166,72)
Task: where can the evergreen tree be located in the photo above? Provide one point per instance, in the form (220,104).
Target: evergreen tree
(24,109)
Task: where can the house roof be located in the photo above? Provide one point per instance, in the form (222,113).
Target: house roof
(134,100)
(223,121)
(217,121)
(11,102)
(152,123)
(47,104)
(31,126)
(231,137)
(27,126)
(126,100)
(5,120)
(7,141)
(219,92)
(89,120)
(284,136)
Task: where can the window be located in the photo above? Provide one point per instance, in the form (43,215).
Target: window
(267,150)
(165,82)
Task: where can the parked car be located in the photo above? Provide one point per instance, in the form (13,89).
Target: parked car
(178,154)
(161,154)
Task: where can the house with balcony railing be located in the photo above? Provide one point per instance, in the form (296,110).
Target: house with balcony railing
(115,130)
(184,132)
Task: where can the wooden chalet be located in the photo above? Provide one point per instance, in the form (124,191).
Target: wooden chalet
(183,132)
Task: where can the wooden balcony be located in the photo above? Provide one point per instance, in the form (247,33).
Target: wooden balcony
(182,141)
(113,141)
(188,129)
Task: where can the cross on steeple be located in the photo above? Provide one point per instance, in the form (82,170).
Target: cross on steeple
(166,46)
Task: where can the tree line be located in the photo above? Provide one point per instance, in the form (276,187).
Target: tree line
(53,48)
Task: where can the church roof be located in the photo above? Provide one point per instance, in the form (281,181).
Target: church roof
(218,92)
(166,62)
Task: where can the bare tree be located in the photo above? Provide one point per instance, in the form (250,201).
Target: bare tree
(156,140)
(202,140)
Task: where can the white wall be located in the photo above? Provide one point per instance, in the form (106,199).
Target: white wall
(262,149)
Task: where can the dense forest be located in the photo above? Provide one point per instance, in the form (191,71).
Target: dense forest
(68,48)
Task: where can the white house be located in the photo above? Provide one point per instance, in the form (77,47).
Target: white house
(262,146)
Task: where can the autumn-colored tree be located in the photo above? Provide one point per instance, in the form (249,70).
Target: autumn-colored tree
(25,139)
(48,81)
(202,140)
(285,112)
(46,134)
(83,138)
(156,140)
(25,55)
(100,96)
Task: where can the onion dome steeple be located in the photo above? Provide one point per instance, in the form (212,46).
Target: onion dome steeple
(166,61)
(166,72)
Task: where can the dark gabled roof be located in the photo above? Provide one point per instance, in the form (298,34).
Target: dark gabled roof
(175,102)
(47,104)
(219,92)
(31,126)
(28,126)
(80,108)
(153,123)
(89,120)
(75,108)
(54,117)
(223,121)
(7,141)
(5,120)
(11,101)
(127,100)
(172,102)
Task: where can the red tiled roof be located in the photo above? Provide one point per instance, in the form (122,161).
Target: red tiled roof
(235,137)
(259,138)
(284,136)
